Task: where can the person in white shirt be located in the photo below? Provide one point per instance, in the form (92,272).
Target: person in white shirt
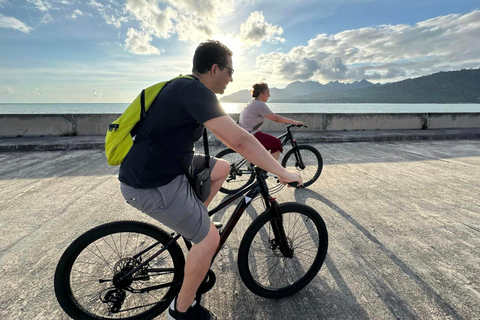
(251,119)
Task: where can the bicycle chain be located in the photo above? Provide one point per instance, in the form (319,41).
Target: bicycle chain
(147,305)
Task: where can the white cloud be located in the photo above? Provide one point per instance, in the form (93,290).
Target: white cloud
(189,28)
(387,51)
(77,13)
(254,31)
(109,13)
(110,19)
(13,23)
(138,42)
(2,2)
(190,20)
(41,5)
(47,18)
(153,20)
(95,4)
(7,90)
(96,94)
(36,92)
(208,9)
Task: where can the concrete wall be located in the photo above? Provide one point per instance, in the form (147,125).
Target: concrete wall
(12,125)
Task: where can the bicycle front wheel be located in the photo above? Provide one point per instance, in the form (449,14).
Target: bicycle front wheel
(90,280)
(241,173)
(265,270)
(307,161)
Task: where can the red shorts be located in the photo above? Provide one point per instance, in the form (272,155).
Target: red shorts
(271,143)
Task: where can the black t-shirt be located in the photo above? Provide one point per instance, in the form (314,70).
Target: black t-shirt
(167,134)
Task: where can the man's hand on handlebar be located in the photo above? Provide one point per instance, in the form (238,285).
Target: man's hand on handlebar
(291,178)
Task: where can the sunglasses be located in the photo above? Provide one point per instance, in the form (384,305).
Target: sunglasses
(230,70)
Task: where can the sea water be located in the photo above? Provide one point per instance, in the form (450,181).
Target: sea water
(117,108)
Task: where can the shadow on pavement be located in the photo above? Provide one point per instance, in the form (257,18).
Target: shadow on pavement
(391,300)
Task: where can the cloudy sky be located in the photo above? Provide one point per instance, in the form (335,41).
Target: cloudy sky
(107,51)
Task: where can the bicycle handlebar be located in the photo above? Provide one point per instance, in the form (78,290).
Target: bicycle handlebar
(296,125)
(295,185)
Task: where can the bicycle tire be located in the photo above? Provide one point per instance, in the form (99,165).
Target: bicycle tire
(269,274)
(85,272)
(238,177)
(313,163)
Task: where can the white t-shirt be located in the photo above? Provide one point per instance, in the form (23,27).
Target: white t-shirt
(251,118)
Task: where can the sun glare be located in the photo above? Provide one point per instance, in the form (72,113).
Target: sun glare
(233,107)
(231,42)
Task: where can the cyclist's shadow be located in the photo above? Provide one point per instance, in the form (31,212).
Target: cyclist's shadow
(343,294)
(381,286)
(338,295)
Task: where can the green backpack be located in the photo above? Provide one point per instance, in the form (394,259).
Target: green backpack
(121,132)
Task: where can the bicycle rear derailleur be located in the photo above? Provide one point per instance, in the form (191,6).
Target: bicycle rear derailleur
(114,298)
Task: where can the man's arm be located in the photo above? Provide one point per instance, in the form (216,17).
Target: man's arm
(225,129)
(277,118)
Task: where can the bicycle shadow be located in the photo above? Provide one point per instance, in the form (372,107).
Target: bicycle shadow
(319,300)
(390,298)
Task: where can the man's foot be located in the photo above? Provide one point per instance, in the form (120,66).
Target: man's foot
(196,311)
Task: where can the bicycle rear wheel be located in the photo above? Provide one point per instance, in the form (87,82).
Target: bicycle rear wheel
(241,173)
(309,165)
(87,277)
(262,266)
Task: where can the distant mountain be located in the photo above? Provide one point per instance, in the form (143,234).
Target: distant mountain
(298,88)
(444,87)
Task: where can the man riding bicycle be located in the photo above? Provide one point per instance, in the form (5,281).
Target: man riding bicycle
(151,175)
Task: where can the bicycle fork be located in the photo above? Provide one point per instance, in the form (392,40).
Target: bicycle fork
(280,240)
(298,157)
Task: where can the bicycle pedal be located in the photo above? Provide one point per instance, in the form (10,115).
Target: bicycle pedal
(218,225)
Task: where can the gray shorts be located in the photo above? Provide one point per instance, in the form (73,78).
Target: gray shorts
(174,204)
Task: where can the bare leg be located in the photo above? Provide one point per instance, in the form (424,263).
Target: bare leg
(276,155)
(197,264)
(200,256)
(218,175)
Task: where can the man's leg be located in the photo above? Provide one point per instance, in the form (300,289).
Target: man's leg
(197,265)
(200,256)
(218,175)
(178,216)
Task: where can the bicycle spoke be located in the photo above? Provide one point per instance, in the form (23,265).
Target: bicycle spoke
(306,161)
(91,277)
(241,173)
(269,267)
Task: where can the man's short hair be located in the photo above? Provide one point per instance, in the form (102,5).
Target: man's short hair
(209,53)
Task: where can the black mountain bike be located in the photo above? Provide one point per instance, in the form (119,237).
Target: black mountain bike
(304,159)
(133,270)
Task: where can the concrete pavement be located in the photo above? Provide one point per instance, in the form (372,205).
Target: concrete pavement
(403,220)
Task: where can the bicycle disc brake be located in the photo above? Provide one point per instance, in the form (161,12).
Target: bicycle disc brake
(300,165)
(115,297)
(274,245)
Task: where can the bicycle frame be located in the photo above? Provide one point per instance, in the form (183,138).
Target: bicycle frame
(287,136)
(251,192)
